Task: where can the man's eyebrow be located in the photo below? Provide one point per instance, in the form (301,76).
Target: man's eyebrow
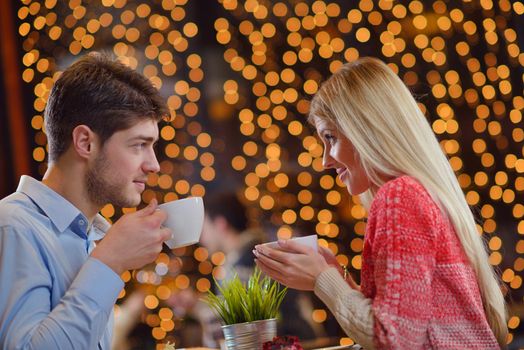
(143,138)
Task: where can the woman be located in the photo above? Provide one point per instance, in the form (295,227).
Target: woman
(426,280)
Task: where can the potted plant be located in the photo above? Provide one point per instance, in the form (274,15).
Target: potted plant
(248,311)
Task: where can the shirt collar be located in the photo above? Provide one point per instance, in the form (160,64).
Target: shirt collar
(60,211)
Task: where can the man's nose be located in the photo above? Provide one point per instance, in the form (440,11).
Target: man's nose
(151,165)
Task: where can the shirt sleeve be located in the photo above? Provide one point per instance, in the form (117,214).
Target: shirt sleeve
(404,257)
(27,320)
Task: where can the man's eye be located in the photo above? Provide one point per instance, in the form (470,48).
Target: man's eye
(140,145)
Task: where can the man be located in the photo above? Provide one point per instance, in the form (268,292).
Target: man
(58,287)
(226,229)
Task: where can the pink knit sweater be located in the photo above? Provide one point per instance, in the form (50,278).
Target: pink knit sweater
(419,287)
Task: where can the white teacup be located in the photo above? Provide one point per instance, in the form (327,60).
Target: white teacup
(185,218)
(310,241)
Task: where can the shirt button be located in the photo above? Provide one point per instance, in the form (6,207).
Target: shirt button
(81,222)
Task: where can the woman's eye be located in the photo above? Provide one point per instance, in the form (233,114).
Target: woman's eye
(330,138)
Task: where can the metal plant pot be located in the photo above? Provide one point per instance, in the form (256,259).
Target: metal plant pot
(249,335)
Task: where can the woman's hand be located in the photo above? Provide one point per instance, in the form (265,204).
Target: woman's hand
(332,261)
(292,264)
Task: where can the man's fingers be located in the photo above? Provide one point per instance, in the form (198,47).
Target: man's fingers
(149,209)
(166,234)
(155,219)
(159,215)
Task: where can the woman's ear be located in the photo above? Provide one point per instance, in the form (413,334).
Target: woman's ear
(84,141)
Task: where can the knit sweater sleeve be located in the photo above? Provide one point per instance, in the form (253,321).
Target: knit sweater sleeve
(403,238)
(350,307)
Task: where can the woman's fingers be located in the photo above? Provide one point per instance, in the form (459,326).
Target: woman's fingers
(274,254)
(294,247)
(352,283)
(328,256)
(294,269)
(282,272)
(274,274)
(325,251)
(270,257)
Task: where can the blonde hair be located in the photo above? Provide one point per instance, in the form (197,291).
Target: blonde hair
(373,108)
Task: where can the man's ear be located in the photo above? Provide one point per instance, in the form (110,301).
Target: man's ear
(84,141)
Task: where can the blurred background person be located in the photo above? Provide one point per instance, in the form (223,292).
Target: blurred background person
(226,229)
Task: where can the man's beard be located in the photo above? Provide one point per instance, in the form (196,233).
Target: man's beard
(103,185)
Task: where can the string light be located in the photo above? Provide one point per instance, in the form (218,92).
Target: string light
(464,58)
(434,50)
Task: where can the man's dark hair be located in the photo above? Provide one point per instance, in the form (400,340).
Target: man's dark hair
(229,207)
(101,93)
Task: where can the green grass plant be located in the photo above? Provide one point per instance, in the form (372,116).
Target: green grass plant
(238,302)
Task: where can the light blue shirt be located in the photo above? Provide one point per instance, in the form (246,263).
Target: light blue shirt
(52,294)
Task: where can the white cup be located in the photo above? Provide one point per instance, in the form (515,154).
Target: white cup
(310,241)
(185,218)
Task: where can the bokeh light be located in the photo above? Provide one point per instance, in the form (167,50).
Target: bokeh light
(240,115)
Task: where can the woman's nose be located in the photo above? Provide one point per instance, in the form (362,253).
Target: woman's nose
(327,161)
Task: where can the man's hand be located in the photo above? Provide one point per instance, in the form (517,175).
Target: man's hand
(134,240)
